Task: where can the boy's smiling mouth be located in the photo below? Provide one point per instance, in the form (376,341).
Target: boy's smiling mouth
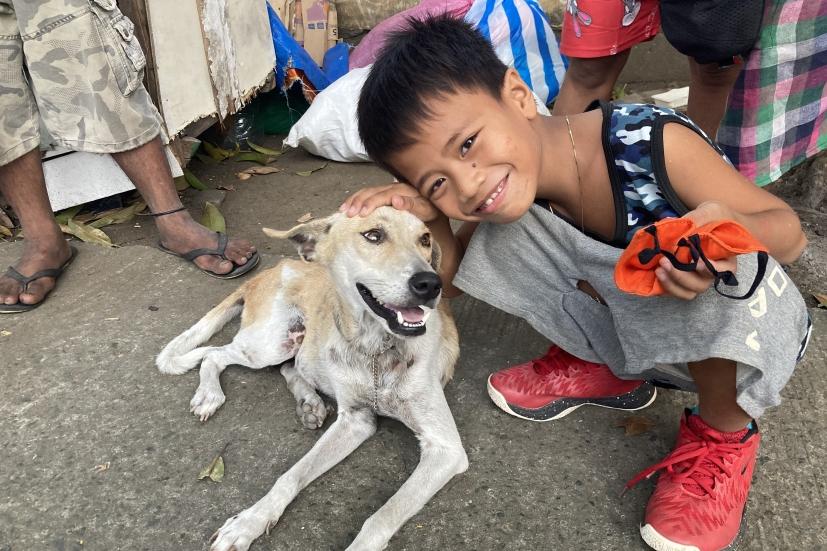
(494,199)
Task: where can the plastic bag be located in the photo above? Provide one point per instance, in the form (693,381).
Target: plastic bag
(371,45)
(330,128)
(523,39)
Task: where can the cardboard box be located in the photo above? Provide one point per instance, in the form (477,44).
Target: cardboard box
(314,21)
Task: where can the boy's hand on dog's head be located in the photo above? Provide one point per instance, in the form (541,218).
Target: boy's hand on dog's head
(688,285)
(399,196)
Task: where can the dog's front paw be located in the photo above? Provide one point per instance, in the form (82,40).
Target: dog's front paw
(237,533)
(312,411)
(206,401)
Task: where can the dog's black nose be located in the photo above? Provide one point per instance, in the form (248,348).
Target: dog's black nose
(425,285)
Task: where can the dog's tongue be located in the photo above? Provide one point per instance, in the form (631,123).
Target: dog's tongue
(411,315)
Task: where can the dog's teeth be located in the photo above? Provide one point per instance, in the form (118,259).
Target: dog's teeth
(399,319)
(425,315)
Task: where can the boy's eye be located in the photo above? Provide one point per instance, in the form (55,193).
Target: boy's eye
(435,186)
(466,145)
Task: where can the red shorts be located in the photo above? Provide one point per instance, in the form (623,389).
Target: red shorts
(597,28)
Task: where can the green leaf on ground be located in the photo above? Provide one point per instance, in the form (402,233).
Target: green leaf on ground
(86,233)
(822,299)
(311,171)
(635,425)
(65,215)
(216,152)
(263,150)
(193,181)
(213,219)
(253,157)
(206,159)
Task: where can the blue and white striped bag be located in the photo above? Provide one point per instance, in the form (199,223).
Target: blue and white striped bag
(523,39)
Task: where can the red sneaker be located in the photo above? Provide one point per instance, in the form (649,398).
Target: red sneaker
(553,386)
(699,500)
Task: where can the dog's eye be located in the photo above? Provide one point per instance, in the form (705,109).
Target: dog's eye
(425,240)
(374,236)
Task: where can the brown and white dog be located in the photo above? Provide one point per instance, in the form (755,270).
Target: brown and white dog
(361,318)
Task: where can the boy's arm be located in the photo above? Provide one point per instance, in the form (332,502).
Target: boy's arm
(405,197)
(714,190)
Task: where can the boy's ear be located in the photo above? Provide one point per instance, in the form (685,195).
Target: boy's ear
(517,91)
(305,236)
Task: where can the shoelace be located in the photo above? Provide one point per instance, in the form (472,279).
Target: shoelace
(697,465)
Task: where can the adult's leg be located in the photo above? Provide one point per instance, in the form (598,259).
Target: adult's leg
(147,167)
(588,79)
(708,93)
(23,186)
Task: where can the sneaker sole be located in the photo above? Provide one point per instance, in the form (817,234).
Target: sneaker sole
(659,543)
(640,398)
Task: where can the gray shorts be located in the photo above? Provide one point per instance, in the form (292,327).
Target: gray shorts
(530,268)
(74,68)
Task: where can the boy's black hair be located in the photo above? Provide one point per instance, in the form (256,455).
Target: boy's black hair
(433,58)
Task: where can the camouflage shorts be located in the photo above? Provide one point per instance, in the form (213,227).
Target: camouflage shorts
(73,68)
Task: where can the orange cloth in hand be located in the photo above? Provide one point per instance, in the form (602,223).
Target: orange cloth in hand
(684,244)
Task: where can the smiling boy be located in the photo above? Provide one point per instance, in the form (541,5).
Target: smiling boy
(549,204)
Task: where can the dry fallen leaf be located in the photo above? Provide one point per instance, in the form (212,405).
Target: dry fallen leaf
(86,233)
(306,217)
(180,183)
(5,333)
(102,467)
(311,171)
(4,231)
(635,425)
(5,220)
(243,175)
(119,216)
(226,187)
(822,299)
(259,170)
(215,470)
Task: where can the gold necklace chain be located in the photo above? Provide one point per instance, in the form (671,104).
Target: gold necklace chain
(577,168)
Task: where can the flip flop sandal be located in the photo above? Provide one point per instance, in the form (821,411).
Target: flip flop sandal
(25,281)
(238,271)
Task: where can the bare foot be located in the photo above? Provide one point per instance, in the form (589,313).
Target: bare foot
(37,255)
(180,233)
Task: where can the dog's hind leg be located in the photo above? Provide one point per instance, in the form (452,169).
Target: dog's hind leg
(310,407)
(251,348)
(351,428)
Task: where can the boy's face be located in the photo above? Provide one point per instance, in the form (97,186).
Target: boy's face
(477,158)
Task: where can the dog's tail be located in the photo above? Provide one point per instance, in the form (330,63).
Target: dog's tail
(182,354)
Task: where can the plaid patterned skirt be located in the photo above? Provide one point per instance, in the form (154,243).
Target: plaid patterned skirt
(777,112)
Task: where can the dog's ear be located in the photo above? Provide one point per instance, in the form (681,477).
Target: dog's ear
(305,236)
(436,255)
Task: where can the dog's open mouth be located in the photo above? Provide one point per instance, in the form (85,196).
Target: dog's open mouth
(404,320)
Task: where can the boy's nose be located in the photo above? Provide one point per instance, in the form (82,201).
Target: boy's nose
(470,183)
